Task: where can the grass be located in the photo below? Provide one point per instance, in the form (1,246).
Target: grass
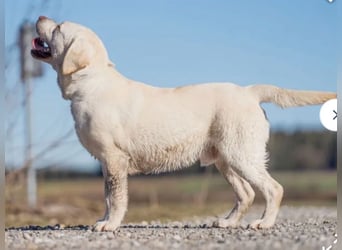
(80,201)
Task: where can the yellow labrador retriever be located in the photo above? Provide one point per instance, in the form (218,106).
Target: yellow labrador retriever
(132,127)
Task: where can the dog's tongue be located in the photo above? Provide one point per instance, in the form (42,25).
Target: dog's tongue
(37,44)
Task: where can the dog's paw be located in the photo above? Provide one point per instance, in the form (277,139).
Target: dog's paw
(224,223)
(105,226)
(260,224)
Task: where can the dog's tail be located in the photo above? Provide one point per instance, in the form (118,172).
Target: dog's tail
(288,97)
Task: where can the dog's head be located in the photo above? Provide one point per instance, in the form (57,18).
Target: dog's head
(68,47)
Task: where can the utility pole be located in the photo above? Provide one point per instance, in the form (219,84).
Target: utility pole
(30,68)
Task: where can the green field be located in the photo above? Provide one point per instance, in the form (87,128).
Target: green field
(80,201)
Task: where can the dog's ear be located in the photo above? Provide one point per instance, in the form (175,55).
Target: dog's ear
(77,57)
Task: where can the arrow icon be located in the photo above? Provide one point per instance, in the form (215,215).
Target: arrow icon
(328,115)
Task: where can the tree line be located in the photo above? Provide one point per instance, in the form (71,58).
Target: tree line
(288,151)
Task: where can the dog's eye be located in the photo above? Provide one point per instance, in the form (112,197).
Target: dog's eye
(57,28)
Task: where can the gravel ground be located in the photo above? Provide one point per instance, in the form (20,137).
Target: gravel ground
(296,228)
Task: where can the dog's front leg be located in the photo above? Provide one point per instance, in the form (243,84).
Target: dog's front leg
(116,197)
(106,192)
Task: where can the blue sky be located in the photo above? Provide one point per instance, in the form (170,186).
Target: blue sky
(291,44)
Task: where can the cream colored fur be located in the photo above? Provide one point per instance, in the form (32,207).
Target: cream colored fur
(132,127)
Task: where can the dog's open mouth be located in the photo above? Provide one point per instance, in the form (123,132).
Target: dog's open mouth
(40,49)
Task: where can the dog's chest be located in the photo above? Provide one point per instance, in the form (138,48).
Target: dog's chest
(88,119)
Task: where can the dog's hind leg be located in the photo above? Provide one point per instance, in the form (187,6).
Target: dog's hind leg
(244,196)
(273,194)
(272,191)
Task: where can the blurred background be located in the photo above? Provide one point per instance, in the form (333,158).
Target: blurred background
(51,179)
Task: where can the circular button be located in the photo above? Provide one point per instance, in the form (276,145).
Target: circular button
(328,115)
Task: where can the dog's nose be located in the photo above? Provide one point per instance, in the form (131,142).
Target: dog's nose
(42,18)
